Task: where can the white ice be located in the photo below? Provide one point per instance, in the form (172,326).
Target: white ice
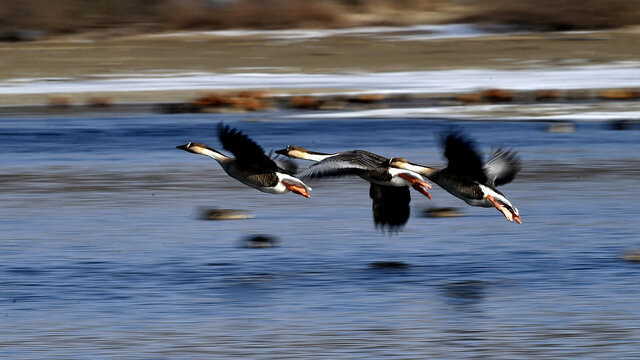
(438,81)
(406,33)
(596,111)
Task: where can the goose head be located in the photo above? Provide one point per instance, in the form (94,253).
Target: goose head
(398,162)
(202,149)
(295,152)
(402,163)
(194,147)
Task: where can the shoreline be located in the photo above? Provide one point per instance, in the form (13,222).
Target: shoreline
(579,105)
(412,69)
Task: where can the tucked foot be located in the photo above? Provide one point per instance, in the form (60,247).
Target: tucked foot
(297,189)
(506,212)
(421,189)
(419,185)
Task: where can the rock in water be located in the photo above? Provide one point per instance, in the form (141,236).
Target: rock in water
(225,214)
(260,242)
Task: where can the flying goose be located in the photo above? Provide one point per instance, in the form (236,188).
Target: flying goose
(251,166)
(371,167)
(388,189)
(468,178)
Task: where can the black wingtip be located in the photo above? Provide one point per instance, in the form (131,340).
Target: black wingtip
(456,138)
(224,129)
(454,141)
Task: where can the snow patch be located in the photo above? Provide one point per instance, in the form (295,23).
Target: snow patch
(438,81)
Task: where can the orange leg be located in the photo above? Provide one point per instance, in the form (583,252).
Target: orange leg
(296,189)
(417,184)
(507,214)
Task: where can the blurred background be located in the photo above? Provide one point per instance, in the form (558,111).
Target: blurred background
(114,244)
(72,16)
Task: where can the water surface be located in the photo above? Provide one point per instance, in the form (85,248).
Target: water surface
(103,253)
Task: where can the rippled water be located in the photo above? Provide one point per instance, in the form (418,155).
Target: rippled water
(103,252)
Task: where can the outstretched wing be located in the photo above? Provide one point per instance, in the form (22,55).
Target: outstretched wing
(354,162)
(245,150)
(464,159)
(502,167)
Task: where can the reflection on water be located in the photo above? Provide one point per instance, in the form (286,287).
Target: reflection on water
(104,252)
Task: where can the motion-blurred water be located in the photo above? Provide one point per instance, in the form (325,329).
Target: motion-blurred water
(103,253)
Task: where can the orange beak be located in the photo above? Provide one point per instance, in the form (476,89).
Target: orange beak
(517,219)
(297,189)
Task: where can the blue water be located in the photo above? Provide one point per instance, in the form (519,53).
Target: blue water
(103,252)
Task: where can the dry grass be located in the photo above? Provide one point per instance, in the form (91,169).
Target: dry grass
(64,16)
(69,16)
(252,14)
(557,14)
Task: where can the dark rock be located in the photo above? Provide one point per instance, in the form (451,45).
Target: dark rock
(561,127)
(20,35)
(442,212)
(388,265)
(620,125)
(225,214)
(631,255)
(260,242)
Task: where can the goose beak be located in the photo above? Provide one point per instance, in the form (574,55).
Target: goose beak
(517,219)
(184,147)
(281,152)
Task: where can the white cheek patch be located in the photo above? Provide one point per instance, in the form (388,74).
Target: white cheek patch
(398,181)
(412,167)
(395,172)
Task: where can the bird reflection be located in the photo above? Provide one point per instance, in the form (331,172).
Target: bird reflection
(466,292)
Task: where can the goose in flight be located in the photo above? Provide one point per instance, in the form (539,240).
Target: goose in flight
(388,186)
(371,167)
(251,166)
(468,178)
